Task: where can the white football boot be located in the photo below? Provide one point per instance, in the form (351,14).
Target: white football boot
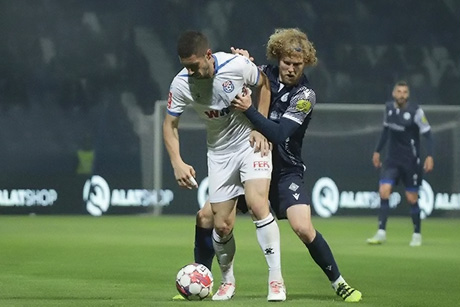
(225,292)
(276,291)
(416,240)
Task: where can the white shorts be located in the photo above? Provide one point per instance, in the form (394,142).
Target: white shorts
(228,172)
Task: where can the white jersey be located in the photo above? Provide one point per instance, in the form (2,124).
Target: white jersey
(227,129)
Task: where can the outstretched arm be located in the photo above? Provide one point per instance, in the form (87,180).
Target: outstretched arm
(274,132)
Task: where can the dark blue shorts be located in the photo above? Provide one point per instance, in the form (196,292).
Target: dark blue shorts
(409,173)
(285,190)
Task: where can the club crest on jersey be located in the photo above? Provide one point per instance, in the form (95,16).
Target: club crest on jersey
(303,105)
(406,116)
(228,86)
(284,98)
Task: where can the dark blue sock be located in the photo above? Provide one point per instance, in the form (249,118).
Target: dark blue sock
(322,255)
(383,213)
(415,214)
(204,252)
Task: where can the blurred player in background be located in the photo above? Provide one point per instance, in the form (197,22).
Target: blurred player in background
(403,123)
(209,82)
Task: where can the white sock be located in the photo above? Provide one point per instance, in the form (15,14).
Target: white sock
(225,253)
(336,283)
(268,235)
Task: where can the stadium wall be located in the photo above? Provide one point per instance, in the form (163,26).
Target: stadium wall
(121,167)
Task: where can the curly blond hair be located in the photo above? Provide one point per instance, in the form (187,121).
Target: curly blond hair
(291,42)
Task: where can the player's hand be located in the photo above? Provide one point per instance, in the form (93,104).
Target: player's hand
(242,102)
(185,176)
(376,160)
(260,143)
(242,52)
(429,164)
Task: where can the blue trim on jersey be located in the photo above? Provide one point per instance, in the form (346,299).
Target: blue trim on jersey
(217,67)
(258,77)
(173,113)
(184,75)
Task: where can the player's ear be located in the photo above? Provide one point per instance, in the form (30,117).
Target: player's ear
(208,54)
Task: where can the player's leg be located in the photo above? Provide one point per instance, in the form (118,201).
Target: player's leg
(268,235)
(387,180)
(299,217)
(224,246)
(204,251)
(412,199)
(412,181)
(224,189)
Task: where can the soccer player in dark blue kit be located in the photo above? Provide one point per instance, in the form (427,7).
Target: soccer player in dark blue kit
(291,106)
(403,123)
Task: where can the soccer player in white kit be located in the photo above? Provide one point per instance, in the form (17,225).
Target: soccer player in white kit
(209,82)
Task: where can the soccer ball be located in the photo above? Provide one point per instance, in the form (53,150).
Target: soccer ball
(194,281)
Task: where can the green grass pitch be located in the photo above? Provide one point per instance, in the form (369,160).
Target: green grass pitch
(133,260)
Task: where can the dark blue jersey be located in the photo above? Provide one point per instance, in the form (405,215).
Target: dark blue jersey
(403,128)
(290,106)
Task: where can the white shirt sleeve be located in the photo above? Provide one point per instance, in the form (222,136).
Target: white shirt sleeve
(421,121)
(177,98)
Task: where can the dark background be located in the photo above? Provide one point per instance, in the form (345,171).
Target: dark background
(73,72)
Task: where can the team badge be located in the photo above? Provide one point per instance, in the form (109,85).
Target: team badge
(228,86)
(284,98)
(406,116)
(303,105)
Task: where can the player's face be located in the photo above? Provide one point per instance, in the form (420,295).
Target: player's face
(291,69)
(200,67)
(401,94)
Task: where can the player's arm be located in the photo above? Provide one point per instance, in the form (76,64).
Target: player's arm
(429,162)
(263,103)
(425,129)
(182,171)
(380,144)
(263,84)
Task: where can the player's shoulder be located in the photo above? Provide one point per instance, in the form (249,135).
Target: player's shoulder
(412,105)
(304,88)
(225,61)
(181,77)
(390,104)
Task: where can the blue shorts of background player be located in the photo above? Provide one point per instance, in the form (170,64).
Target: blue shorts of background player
(409,173)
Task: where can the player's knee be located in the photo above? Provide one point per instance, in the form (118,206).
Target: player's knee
(412,200)
(223,229)
(384,193)
(204,219)
(385,190)
(306,233)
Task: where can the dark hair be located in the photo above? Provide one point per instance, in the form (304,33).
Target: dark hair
(402,83)
(192,43)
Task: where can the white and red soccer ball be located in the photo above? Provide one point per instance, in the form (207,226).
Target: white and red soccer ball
(194,281)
